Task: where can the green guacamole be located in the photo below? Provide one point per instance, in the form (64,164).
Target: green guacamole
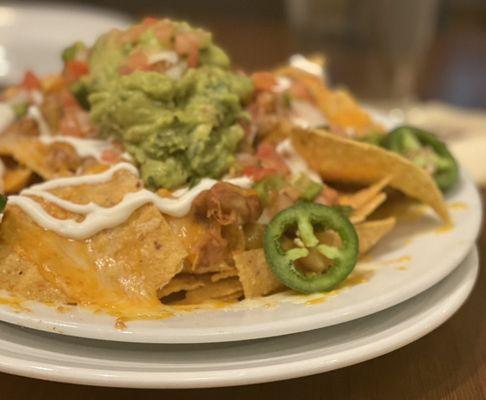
(178,129)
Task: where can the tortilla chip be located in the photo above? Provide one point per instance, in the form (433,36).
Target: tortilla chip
(340,159)
(360,198)
(255,275)
(14,180)
(338,106)
(38,157)
(213,291)
(232,298)
(21,277)
(209,269)
(117,267)
(371,232)
(181,282)
(206,249)
(142,253)
(362,213)
(224,274)
(105,194)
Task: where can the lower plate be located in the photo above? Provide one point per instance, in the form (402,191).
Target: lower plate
(67,359)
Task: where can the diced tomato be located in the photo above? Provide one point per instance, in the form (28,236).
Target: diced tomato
(69,126)
(76,69)
(110,156)
(270,159)
(187,44)
(266,150)
(75,122)
(328,197)
(133,34)
(149,21)
(193,59)
(299,91)
(263,81)
(31,81)
(138,60)
(269,163)
(68,100)
(258,173)
(164,32)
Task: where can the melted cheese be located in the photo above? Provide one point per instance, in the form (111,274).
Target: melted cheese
(98,218)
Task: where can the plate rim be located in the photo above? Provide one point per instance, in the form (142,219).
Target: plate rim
(442,309)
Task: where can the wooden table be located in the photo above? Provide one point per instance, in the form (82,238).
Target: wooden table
(449,363)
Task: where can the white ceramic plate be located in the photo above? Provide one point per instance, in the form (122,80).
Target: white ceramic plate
(67,359)
(32,35)
(409,261)
(412,259)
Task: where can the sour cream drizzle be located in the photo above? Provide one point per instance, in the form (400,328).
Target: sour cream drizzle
(98,218)
(296,164)
(34,113)
(7,116)
(83,147)
(170,57)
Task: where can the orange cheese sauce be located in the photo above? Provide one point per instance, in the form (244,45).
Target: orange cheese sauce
(444,228)
(356,278)
(14,303)
(458,205)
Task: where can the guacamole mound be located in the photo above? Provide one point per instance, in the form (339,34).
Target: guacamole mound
(180,116)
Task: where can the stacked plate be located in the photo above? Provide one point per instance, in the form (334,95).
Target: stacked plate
(414,281)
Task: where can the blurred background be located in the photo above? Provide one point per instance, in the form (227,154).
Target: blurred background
(422,61)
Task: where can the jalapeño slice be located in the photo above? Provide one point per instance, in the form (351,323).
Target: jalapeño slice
(427,151)
(3,202)
(305,218)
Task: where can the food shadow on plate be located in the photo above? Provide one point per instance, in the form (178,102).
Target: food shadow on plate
(412,220)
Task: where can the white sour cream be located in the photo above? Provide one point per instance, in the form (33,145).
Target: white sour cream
(37,97)
(169,57)
(283,84)
(98,218)
(296,164)
(7,116)
(307,115)
(177,70)
(177,67)
(36,114)
(303,63)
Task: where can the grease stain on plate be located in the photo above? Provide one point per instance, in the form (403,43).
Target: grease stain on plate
(458,205)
